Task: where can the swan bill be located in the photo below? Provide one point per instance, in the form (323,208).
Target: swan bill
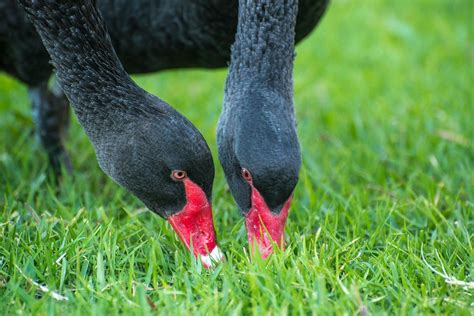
(195,227)
(265,229)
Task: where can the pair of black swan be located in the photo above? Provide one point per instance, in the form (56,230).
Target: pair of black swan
(148,35)
(156,153)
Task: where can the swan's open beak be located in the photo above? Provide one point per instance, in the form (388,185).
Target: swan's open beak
(264,228)
(194,225)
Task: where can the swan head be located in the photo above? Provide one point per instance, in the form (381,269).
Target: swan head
(260,154)
(162,158)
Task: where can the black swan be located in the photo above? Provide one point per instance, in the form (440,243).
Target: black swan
(148,35)
(140,141)
(257,140)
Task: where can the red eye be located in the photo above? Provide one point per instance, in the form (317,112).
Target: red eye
(246,175)
(178,175)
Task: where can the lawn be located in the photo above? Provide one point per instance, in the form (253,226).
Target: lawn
(382,220)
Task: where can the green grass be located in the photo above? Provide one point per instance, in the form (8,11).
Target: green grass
(384,99)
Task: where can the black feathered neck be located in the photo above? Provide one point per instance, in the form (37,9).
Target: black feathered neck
(257,128)
(264,45)
(139,139)
(88,69)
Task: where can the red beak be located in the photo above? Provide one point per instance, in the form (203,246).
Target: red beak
(194,225)
(264,229)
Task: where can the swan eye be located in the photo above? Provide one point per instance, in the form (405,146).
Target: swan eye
(178,175)
(246,175)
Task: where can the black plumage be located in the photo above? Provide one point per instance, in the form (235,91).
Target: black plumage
(140,141)
(138,138)
(148,35)
(257,129)
(257,139)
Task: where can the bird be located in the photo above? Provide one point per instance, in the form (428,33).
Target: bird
(257,140)
(140,141)
(148,36)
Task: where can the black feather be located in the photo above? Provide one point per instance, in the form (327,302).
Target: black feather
(257,127)
(138,138)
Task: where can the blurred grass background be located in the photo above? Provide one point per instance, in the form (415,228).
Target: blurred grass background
(384,100)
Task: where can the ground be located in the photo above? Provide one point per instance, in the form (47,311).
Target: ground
(382,220)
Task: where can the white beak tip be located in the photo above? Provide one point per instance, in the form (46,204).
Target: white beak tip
(211,259)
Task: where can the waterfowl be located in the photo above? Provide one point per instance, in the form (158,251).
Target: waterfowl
(257,140)
(140,141)
(148,35)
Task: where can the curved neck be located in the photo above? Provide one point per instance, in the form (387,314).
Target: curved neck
(264,46)
(86,64)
